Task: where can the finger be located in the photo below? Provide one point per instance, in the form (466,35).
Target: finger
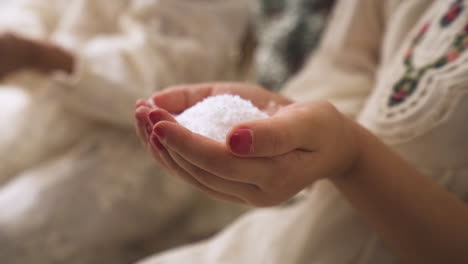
(177,99)
(139,131)
(142,102)
(290,129)
(182,174)
(156,149)
(159,115)
(212,156)
(154,117)
(243,191)
(143,125)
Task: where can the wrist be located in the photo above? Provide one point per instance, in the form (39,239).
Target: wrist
(339,144)
(369,151)
(357,141)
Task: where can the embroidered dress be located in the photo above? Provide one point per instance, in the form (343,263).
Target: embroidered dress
(360,67)
(76,185)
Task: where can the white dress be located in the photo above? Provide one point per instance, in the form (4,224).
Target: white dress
(76,185)
(401,68)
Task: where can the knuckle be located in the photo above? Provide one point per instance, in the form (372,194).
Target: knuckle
(274,139)
(177,139)
(327,111)
(324,105)
(276,142)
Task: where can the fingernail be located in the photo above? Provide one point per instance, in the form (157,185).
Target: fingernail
(154,117)
(241,141)
(159,132)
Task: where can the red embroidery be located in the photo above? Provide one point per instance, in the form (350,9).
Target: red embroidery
(409,82)
(453,13)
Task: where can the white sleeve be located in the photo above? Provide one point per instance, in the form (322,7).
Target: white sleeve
(157,44)
(343,69)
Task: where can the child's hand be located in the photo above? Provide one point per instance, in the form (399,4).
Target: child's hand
(263,162)
(177,99)
(19,53)
(142,123)
(15,53)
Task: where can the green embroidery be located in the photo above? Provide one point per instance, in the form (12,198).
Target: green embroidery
(410,80)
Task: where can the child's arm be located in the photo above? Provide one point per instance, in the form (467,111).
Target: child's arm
(423,222)
(265,162)
(420,219)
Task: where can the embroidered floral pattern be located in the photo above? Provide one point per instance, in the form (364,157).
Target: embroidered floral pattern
(409,82)
(455,9)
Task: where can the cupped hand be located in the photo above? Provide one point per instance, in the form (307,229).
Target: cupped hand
(263,162)
(177,99)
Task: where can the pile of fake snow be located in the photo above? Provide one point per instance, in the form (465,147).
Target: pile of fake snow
(215,116)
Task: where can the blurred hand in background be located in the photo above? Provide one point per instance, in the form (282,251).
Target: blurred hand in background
(20,53)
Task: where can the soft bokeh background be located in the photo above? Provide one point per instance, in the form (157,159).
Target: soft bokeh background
(12,99)
(287,31)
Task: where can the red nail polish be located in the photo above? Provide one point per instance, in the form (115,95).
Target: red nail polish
(241,141)
(154,117)
(159,132)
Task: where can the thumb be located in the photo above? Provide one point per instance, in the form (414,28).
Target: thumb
(268,137)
